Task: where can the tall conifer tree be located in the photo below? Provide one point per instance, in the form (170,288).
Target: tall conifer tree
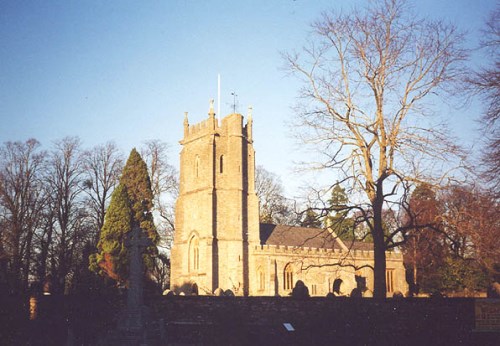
(136,179)
(131,205)
(112,257)
(338,218)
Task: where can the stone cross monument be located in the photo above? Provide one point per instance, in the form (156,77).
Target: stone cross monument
(134,316)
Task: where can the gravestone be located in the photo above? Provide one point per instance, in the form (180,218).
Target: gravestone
(336,288)
(300,291)
(228,293)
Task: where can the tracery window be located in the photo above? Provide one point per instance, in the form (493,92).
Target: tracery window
(288,277)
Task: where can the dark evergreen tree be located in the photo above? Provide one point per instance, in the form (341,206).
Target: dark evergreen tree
(136,179)
(112,257)
(338,218)
(311,219)
(131,205)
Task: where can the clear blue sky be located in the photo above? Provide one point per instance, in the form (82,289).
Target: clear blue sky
(128,70)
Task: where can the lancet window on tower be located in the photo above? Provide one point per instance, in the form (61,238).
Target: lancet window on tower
(194,254)
(221,164)
(262,279)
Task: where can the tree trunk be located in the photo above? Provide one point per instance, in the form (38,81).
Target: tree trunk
(61,273)
(44,253)
(379,285)
(16,260)
(415,262)
(27,262)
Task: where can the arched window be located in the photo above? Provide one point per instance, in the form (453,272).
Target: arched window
(221,164)
(262,279)
(288,277)
(194,254)
(389,280)
(197,166)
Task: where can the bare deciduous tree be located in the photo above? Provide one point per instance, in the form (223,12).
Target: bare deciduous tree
(366,75)
(165,187)
(472,226)
(486,83)
(21,202)
(103,165)
(274,206)
(65,181)
(161,271)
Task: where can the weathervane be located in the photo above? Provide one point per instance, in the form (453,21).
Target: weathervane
(234,101)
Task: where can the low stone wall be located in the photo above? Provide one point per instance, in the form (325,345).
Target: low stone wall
(250,320)
(487,315)
(318,320)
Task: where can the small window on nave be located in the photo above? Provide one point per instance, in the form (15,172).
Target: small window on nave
(288,277)
(389,279)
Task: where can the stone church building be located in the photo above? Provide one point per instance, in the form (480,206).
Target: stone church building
(219,242)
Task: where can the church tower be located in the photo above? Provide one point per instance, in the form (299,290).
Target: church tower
(217,212)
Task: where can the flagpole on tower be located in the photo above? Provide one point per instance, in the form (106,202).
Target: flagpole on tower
(218,97)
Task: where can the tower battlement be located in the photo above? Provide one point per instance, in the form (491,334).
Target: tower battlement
(232,124)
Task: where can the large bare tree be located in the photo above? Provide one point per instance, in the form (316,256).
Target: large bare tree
(365,76)
(486,83)
(21,203)
(65,181)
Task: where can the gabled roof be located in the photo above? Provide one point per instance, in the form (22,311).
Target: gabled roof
(294,236)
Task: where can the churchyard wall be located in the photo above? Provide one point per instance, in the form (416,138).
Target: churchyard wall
(255,320)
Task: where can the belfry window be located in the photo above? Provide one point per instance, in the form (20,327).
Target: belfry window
(288,277)
(194,254)
(221,164)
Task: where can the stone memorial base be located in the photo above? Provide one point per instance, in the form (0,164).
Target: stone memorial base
(134,327)
(134,319)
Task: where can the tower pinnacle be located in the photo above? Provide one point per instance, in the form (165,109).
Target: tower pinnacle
(186,124)
(211,111)
(249,123)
